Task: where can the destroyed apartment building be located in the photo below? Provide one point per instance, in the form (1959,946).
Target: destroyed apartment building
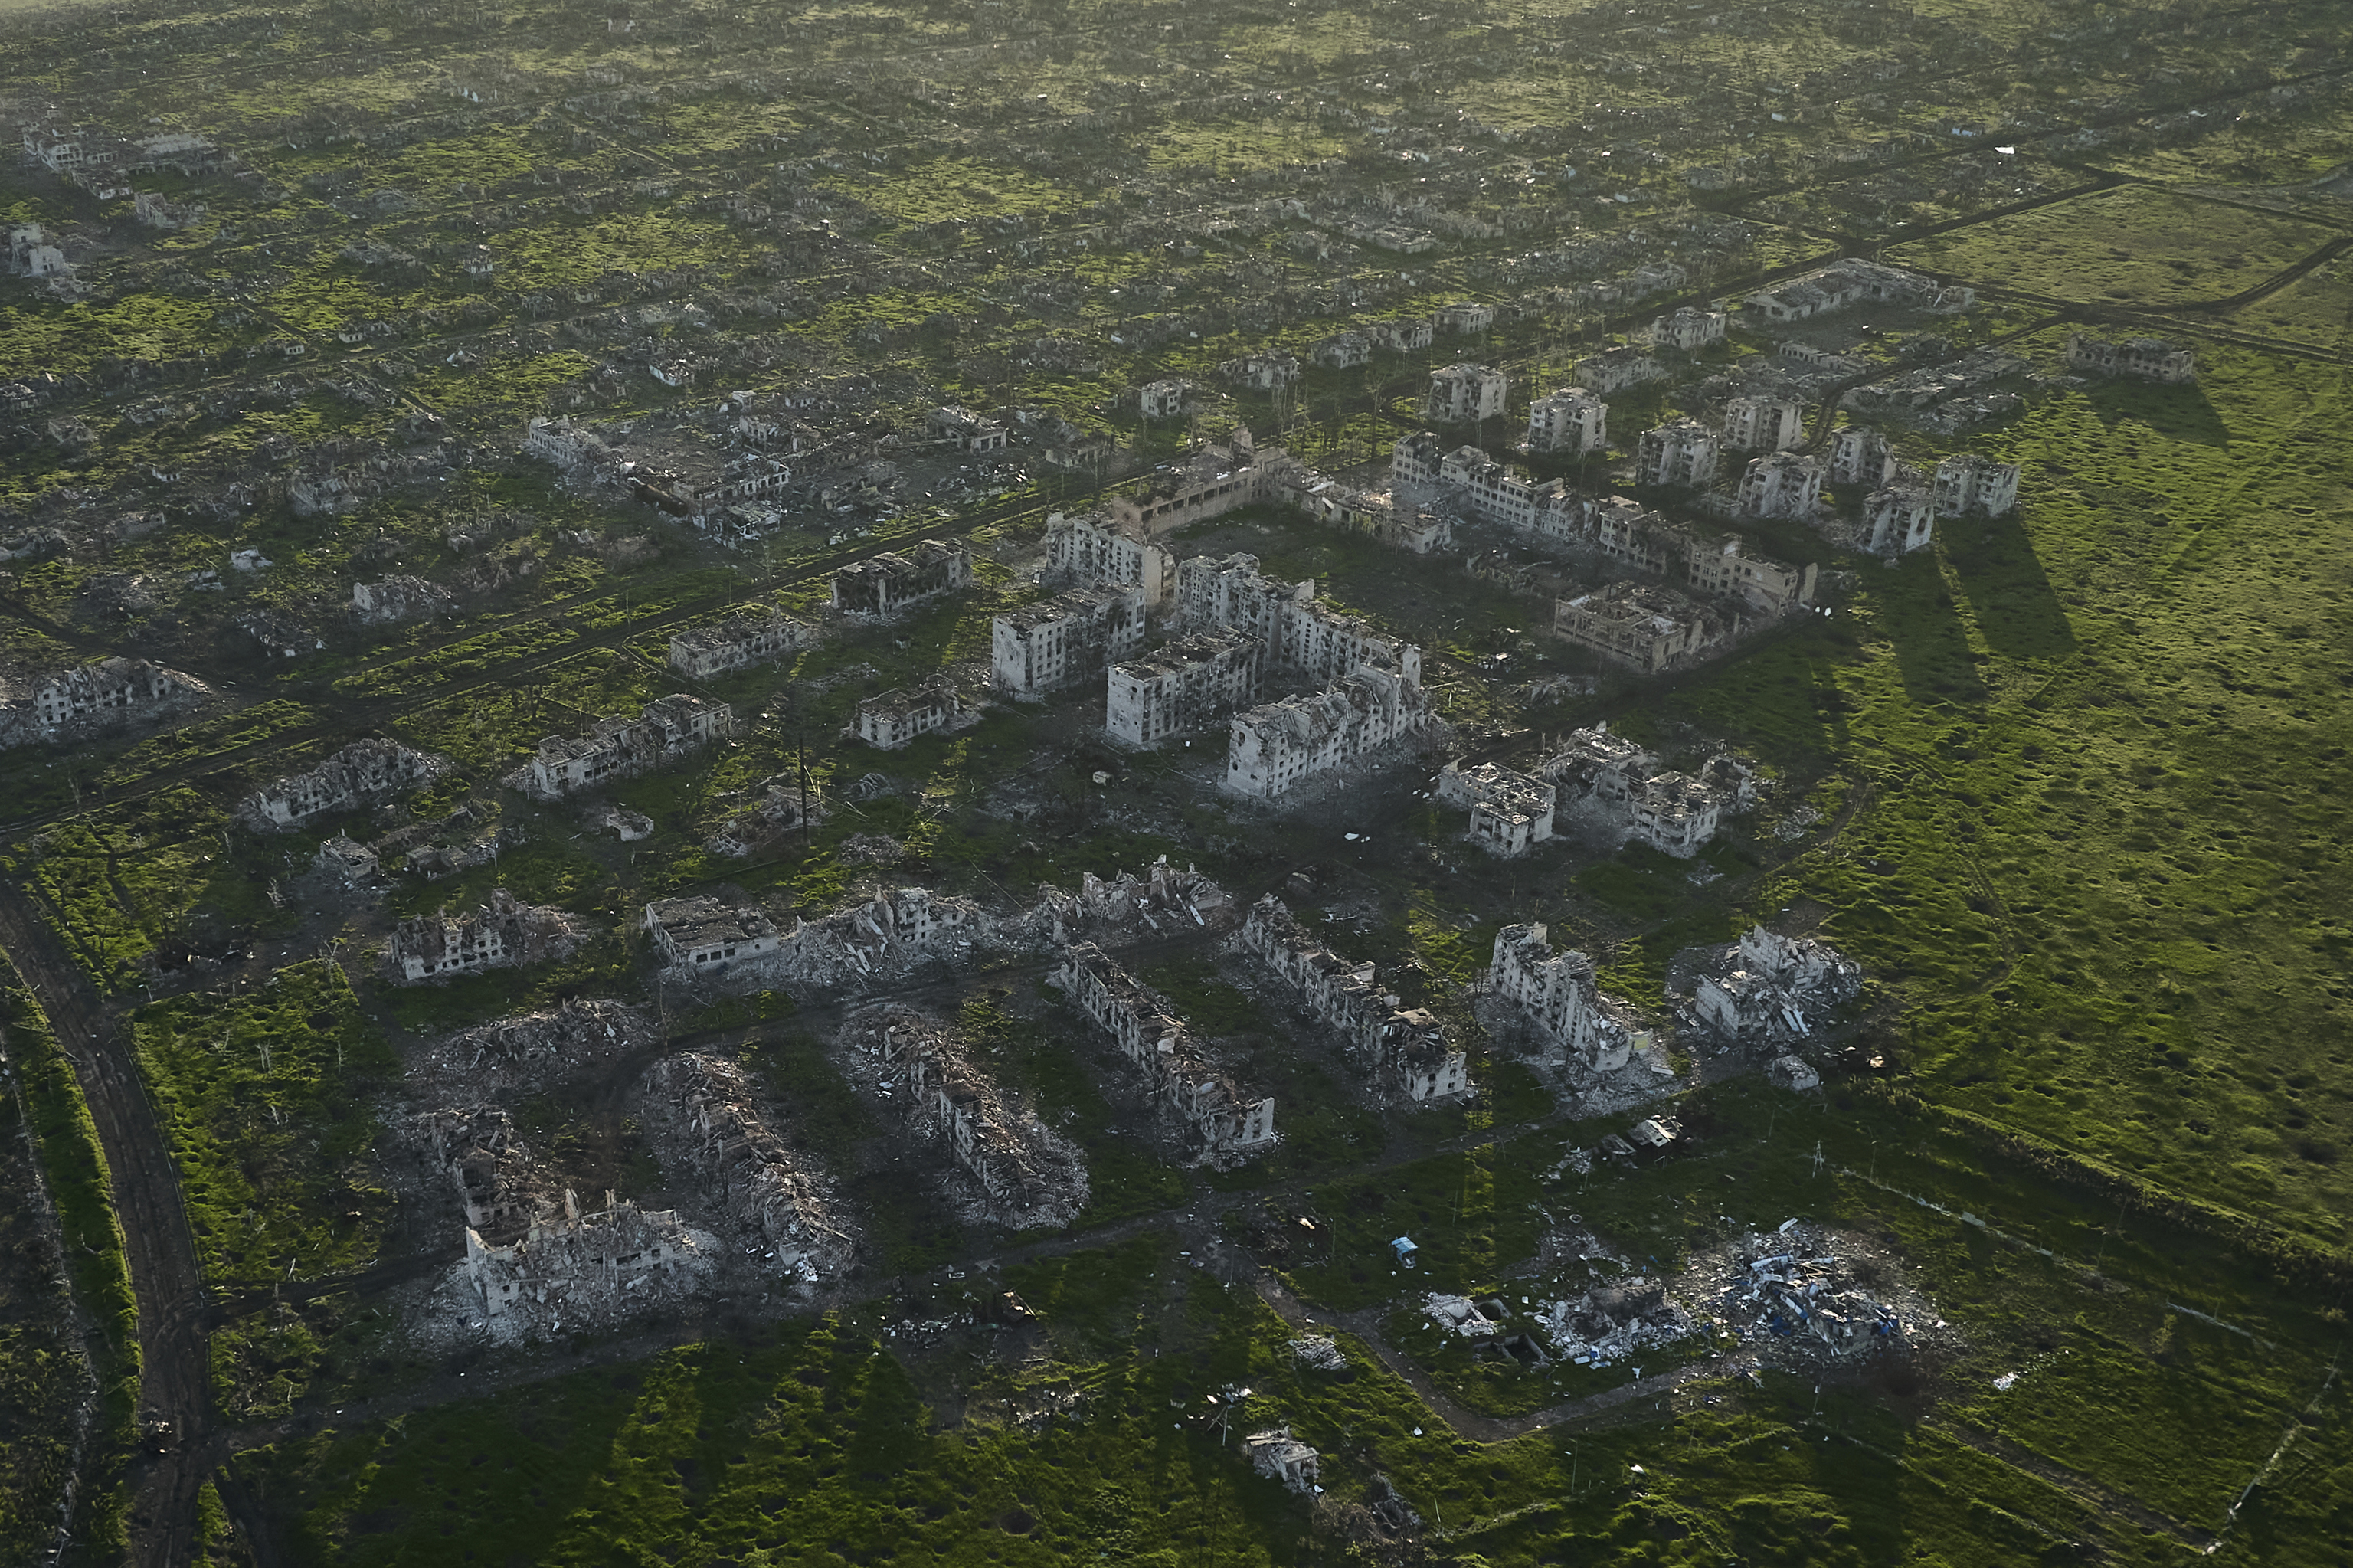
(1218,1121)
(500,934)
(1209,483)
(586,1267)
(398,599)
(2144,358)
(1772,989)
(1577,1022)
(1399,1050)
(1645,627)
(364,773)
(1274,748)
(1414,525)
(1620,789)
(616,748)
(1510,811)
(753,1177)
(1029,1176)
(890,720)
(1077,635)
(891,581)
(94,697)
(1087,551)
(1572,421)
(761,635)
(1183,687)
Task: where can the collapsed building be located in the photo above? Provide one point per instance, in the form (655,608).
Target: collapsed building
(1558,995)
(1620,788)
(778,806)
(1399,1049)
(1029,1176)
(753,1176)
(1276,1455)
(1772,989)
(894,718)
(584,1268)
(1079,632)
(1407,524)
(1183,687)
(761,635)
(892,581)
(364,773)
(1273,748)
(500,934)
(398,599)
(616,748)
(1087,551)
(1644,627)
(1510,811)
(93,697)
(1217,1119)
(552,1040)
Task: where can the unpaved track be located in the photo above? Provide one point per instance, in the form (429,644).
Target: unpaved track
(165,1278)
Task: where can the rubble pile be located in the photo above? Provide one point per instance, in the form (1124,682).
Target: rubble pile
(1459,1315)
(1611,1322)
(1771,990)
(774,812)
(1128,909)
(494,1171)
(535,1047)
(758,1178)
(1029,1175)
(1318,1352)
(1790,1286)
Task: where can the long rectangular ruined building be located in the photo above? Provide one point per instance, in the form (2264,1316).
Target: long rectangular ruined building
(1558,994)
(364,773)
(753,1174)
(1399,1049)
(1218,1116)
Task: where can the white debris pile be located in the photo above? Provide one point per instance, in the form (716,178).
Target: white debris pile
(1610,1322)
(1318,1352)
(1789,1285)
(1459,1315)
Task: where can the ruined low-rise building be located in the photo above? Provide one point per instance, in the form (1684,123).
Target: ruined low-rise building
(1561,999)
(1771,988)
(616,748)
(703,934)
(364,773)
(1570,420)
(1274,748)
(1510,811)
(1087,551)
(1971,484)
(2144,358)
(1266,371)
(1401,1050)
(1207,483)
(397,599)
(1617,370)
(1646,629)
(752,1175)
(971,432)
(1688,329)
(1184,687)
(1851,281)
(1079,633)
(500,934)
(1279,1456)
(92,697)
(1218,1118)
(762,634)
(893,580)
(891,719)
(1163,399)
(1029,1176)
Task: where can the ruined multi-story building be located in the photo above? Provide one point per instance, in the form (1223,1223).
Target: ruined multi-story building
(111,691)
(1086,551)
(1464,318)
(1219,1119)
(759,635)
(1781,484)
(499,934)
(582,1266)
(701,933)
(1898,518)
(1617,370)
(1620,787)
(1209,483)
(1643,627)
(1560,997)
(1299,633)
(1772,989)
(1029,1176)
(1859,454)
(1853,281)
(1163,399)
(1401,1050)
(2146,358)
(1267,372)
(752,1175)
(1510,811)
(1274,748)
(1762,584)
(1969,483)
(889,720)
(1404,523)
(1683,452)
(1763,423)
(1078,634)
(364,773)
(664,730)
(1687,330)
(1465,394)
(1569,420)
(892,581)
(1183,687)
